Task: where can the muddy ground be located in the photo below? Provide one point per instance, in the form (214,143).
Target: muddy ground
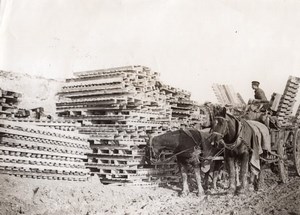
(36,196)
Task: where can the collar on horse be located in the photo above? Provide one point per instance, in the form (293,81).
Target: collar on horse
(235,142)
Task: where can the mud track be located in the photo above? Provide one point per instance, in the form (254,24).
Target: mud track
(32,196)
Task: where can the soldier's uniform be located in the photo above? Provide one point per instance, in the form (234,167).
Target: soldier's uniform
(260,102)
(260,95)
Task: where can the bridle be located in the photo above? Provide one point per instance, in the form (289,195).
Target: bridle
(226,130)
(235,143)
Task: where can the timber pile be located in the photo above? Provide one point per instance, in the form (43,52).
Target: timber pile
(64,125)
(274,102)
(288,99)
(8,103)
(29,150)
(185,112)
(118,108)
(227,96)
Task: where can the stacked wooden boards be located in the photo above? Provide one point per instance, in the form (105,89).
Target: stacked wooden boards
(185,112)
(119,108)
(288,99)
(226,95)
(274,101)
(8,103)
(33,149)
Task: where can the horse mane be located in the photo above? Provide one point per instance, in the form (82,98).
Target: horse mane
(238,125)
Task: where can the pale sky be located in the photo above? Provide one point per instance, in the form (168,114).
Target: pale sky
(192,44)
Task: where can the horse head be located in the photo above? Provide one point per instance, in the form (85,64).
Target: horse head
(219,128)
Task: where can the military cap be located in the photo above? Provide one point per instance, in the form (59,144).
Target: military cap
(255,83)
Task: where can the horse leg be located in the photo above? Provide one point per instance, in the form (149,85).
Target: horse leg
(237,173)
(206,178)
(215,168)
(198,179)
(260,178)
(184,175)
(244,171)
(232,179)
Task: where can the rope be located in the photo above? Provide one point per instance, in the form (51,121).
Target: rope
(168,159)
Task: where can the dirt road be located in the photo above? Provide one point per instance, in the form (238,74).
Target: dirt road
(32,196)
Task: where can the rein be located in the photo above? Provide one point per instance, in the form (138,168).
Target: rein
(170,158)
(181,152)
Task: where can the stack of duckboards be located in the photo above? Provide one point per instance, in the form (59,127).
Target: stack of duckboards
(185,112)
(8,103)
(33,149)
(118,108)
(287,101)
(63,125)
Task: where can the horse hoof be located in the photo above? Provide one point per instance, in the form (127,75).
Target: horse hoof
(201,197)
(241,192)
(214,190)
(184,194)
(200,193)
(231,191)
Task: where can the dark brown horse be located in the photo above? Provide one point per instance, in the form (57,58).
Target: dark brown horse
(240,142)
(191,147)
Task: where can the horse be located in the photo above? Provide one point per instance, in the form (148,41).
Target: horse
(241,144)
(191,147)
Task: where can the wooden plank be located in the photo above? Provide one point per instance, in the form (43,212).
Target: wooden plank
(91,88)
(100,92)
(42,152)
(74,143)
(29,166)
(49,162)
(109,70)
(50,176)
(102,165)
(50,131)
(45,145)
(47,123)
(94,82)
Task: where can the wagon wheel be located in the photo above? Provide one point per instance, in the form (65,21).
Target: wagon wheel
(281,151)
(296,151)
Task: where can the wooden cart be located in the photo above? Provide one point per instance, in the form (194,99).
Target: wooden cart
(285,142)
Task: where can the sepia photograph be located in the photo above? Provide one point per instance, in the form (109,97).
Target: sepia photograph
(149,107)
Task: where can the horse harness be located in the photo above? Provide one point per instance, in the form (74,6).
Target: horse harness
(196,148)
(238,138)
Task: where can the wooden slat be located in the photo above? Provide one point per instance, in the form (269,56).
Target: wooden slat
(43,136)
(41,167)
(42,152)
(50,146)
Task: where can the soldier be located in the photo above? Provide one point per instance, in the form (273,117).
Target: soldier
(260,101)
(259,94)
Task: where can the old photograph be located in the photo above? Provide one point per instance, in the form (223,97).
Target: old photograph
(149,107)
